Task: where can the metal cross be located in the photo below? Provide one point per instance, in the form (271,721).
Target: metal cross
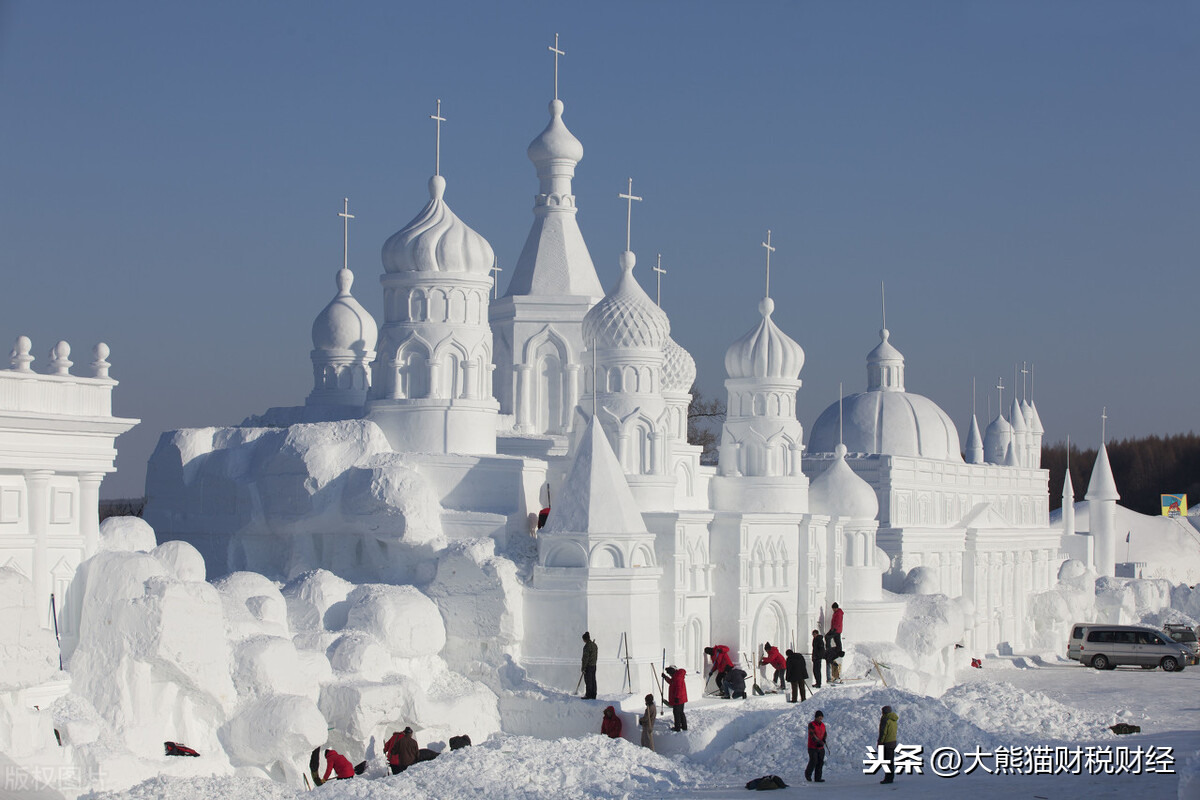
(1103,423)
(557,53)
(1000,386)
(346,217)
(437,157)
(883,303)
(770,249)
(495,270)
(658,268)
(629,197)
(1024,378)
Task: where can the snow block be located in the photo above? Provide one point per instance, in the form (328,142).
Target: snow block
(361,655)
(316,600)
(276,734)
(28,652)
(405,621)
(267,665)
(253,605)
(127,533)
(181,560)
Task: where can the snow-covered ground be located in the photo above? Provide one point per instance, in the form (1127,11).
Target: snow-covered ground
(1010,704)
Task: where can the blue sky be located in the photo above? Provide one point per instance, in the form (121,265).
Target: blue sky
(1024,177)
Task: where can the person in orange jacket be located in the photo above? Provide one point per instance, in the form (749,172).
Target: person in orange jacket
(335,762)
(677,696)
(776,660)
(611,725)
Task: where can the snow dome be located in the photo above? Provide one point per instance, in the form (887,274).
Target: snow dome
(437,241)
(766,351)
(344,324)
(840,492)
(626,317)
(679,368)
(555,142)
(885,419)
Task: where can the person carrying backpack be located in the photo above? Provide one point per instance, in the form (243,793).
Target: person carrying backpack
(816,748)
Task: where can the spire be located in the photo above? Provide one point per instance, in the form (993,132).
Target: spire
(659,272)
(1102,485)
(595,496)
(554,49)
(974,443)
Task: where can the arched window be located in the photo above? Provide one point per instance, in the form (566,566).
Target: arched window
(416,305)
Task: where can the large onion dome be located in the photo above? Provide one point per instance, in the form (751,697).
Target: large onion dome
(626,316)
(766,351)
(437,241)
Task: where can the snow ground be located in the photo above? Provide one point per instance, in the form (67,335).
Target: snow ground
(1020,702)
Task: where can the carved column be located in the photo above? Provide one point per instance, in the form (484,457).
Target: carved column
(89,511)
(37,486)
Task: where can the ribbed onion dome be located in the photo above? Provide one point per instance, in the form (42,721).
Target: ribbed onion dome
(840,492)
(344,324)
(626,316)
(679,368)
(555,142)
(766,351)
(437,241)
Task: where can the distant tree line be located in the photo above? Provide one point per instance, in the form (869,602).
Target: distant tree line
(124,507)
(705,418)
(1143,468)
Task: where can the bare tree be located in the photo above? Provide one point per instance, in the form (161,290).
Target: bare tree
(705,418)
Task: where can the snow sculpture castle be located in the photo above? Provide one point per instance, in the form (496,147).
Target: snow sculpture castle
(589,397)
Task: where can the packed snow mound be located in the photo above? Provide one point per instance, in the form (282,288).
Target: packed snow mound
(224,787)
(277,733)
(852,722)
(127,533)
(360,655)
(266,665)
(253,606)
(1003,709)
(29,653)
(316,600)
(932,625)
(401,618)
(182,560)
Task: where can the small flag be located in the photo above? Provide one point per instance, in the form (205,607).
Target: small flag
(1127,537)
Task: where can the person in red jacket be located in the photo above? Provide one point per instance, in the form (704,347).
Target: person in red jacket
(776,660)
(816,748)
(835,625)
(611,725)
(401,750)
(677,696)
(335,762)
(721,662)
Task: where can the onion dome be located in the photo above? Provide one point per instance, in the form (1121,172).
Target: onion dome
(437,241)
(679,368)
(626,316)
(840,492)
(996,439)
(555,142)
(344,324)
(766,351)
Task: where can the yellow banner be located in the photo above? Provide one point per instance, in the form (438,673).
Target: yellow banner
(1174,505)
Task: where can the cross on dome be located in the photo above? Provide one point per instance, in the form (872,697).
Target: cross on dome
(1000,386)
(658,268)
(346,217)
(437,152)
(557,53)
(770,249)
(495,270)
(628,196)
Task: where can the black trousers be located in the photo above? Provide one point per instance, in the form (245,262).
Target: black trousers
(589,683)
(889,752)
(680,717)
(817,664)
(798,686)
(816,762)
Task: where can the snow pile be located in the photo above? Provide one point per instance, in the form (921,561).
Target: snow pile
(1168,546)
(277,731)
(224,787)
(932,625)
(130,534)
(29,653)
(1053,611)
(1003,709)
(852,720)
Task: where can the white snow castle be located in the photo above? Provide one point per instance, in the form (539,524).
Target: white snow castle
(429,444)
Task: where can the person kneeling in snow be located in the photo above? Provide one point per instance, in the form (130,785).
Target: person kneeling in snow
(335,762)
(401,750)
(735,682)
(611,725)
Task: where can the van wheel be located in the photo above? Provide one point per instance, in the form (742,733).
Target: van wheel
(1169,664)
(1100,662)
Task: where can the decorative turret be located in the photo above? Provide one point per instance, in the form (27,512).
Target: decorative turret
(1102,497)
(974,443)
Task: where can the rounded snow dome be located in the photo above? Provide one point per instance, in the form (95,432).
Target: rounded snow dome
(626,316)
(766,351)
(437,241)
(679,368)
(889,423)
(840,492)
(555,142)
(344,324)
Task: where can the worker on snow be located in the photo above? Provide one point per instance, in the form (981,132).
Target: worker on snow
(816,748)
(721,663)
(735,682)
(835,626)
(610,726)
(797,674)
(773,657)
(590,655)
(401,750)
(646,720)
(888,730)
(818,656)
(677,696)
(337,763)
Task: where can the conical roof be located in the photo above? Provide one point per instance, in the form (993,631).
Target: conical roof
(1102,485)
(765,351)
(595,496)
(974,443)
(437,241)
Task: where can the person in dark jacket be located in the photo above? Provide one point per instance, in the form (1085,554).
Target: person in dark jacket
(401,750)
(816,748)
(818,656)
(797,674)
(610,726)
(735,682)
(337,763)
(591,653)
(677,696)
(888,728)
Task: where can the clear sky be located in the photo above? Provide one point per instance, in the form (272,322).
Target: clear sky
(1024,176)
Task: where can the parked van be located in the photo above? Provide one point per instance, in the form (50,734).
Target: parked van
(1186,636)
(1109,646)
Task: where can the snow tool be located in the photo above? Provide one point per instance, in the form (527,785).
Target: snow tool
(757,689)
(579,682)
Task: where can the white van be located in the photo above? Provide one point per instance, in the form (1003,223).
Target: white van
(1109,646)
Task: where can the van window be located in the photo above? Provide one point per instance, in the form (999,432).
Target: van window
(1146,637)
(1077,633)
(1111,637)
